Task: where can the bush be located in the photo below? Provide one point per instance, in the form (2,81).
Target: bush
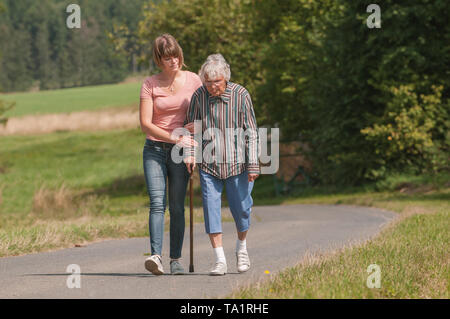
(410,132)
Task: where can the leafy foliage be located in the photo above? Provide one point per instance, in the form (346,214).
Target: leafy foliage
(204,27)
(365,102)
(316,71)
(406,134)
(330,79)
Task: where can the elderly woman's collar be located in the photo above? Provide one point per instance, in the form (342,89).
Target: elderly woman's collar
(227,94)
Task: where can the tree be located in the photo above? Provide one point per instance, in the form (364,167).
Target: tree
(39,49)
(4,107)
(329,81)
(365,65)
(204,27)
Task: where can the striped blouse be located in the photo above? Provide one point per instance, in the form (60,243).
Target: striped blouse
(229,136)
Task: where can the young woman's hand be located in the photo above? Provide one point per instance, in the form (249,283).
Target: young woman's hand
(186,141)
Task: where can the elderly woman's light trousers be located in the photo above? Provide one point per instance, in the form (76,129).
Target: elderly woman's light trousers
(240,201)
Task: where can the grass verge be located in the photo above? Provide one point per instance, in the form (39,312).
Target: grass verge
(412,253)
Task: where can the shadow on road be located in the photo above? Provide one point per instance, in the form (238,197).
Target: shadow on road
(129,275)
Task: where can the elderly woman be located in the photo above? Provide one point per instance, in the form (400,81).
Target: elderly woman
(224,107)
(165,99)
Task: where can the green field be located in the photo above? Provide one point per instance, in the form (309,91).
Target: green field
(80,161)
(73,99)
(60,189)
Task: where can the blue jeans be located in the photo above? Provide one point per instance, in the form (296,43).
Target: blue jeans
(239,197)
(160,169)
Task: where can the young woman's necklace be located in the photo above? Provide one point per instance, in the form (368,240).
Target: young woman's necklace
(171,86)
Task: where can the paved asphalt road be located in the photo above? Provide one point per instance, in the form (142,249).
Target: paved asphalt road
(279,236)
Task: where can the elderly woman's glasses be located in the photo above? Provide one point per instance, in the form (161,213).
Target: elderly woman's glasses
(214,82)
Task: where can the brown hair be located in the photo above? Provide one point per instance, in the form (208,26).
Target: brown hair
(166,46)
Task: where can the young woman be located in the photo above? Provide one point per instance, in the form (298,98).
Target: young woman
(165,98)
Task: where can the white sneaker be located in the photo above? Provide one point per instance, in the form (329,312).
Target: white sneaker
(219,269)
(243,261)
(154,265)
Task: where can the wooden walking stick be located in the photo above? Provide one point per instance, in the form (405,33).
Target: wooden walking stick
(191,222)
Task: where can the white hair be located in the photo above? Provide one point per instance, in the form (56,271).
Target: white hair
(214,67)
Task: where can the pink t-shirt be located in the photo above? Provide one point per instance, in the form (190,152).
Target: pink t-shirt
(169,111)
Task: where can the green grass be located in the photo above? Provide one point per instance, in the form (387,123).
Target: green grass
(60,189)
(102,162)
(73,99)
(412,254)
(64,188)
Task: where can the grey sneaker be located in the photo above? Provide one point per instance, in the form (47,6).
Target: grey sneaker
(154,265)
(176,268)
(219,269)
(243,261)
